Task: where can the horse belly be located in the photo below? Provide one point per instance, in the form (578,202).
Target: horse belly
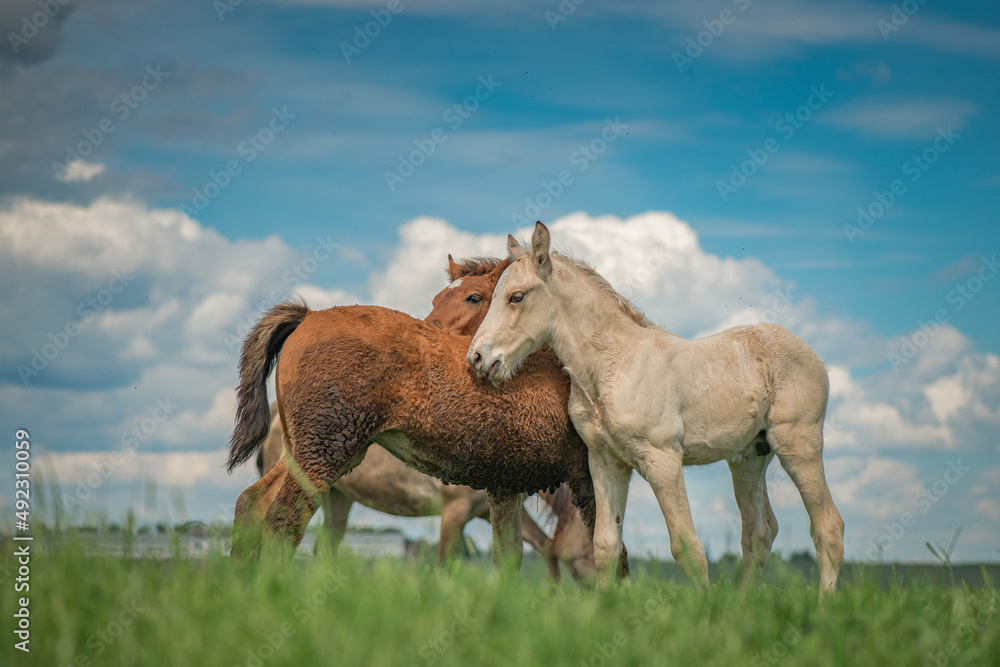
(385,484)
(721,411)
(720,429)
(702,450)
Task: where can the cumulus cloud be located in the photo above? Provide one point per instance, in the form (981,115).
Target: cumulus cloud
(653,258)
(946,397)
(141,306)
(128,285)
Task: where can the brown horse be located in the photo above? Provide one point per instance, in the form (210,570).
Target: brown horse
(461,308)
(385,484)
(351,376)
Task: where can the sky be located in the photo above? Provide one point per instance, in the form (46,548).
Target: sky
(169,170)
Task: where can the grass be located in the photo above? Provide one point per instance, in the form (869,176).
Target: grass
(348,611)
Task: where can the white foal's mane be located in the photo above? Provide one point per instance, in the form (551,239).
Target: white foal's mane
(588,272)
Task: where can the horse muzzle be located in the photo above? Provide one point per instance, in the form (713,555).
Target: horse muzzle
(487,366)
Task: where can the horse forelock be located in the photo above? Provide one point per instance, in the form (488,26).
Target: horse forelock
(599,281)
(476,266)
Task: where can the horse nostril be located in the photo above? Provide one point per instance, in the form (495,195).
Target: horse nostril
(477,359)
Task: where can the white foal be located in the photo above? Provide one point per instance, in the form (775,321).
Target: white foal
(644,399)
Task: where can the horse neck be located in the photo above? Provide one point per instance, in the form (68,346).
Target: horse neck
(587,327)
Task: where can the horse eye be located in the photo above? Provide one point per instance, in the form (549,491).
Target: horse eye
(473,298)
(517,297)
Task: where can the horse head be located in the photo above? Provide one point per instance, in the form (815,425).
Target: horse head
(462,305)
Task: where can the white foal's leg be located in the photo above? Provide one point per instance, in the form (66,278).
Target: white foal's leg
(664,471)
(800,450)
(759,524)
(611,477)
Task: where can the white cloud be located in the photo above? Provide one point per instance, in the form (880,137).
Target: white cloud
(416,270)
(81,171)
(946,396)
(875,487)
(784,27)
(841,384)
(171,469)
(916,118)
(654,257)
(157,332)
(319,299)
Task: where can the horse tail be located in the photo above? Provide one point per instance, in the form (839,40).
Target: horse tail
(257,360)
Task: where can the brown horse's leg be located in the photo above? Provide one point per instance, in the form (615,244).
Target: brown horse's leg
(536,537)
(335,511)
(505,517)
(298,498)
(250,510)
(533,534)
(455,513)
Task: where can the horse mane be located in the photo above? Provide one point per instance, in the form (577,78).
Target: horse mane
(626,306)
(478,266)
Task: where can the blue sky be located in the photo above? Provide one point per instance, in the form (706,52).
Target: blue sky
(834,106)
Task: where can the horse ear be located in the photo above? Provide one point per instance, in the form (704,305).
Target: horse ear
(540,250)
(455,270)
(513,247)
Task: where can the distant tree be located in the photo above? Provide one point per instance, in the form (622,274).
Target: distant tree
(804,556)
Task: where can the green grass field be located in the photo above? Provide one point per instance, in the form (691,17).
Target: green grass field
(349,611)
